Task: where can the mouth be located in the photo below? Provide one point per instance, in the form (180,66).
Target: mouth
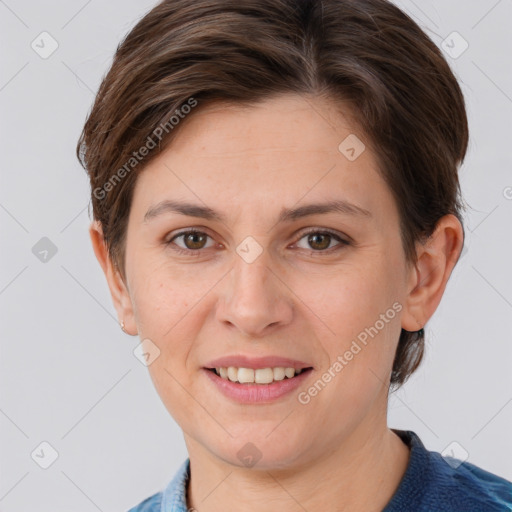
(261,376)
(257,386)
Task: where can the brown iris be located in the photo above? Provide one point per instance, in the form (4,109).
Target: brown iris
(191,240)
(315,238)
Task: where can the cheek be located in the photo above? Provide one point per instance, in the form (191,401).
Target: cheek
(352,298)
(166,305)
(359,311)
(163,295)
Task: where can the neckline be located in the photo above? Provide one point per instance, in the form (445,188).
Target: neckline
(407,492)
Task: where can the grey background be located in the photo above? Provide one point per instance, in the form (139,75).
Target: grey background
(68,373)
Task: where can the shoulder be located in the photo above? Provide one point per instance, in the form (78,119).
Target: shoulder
(173,497)
(151,504)
(465,485)
(433,482)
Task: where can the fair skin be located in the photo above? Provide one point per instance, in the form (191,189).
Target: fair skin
(299,300)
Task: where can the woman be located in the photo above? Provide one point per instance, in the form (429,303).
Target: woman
(277,212)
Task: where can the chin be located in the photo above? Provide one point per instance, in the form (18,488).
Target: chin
(258,450)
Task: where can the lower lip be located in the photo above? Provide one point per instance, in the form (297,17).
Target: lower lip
(257,393)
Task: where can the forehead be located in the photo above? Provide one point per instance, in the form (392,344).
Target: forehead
(284,121)
(279,152)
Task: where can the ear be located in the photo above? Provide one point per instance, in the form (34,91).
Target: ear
(118,289)
(436,259)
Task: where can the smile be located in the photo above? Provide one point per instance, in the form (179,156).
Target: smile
(258,376)
(243,387)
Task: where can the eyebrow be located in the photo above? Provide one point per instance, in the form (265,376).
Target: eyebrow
(286,215)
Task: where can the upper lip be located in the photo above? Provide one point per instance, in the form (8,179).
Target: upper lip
(256,363)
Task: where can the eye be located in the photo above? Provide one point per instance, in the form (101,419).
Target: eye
(193,240)
(320,240)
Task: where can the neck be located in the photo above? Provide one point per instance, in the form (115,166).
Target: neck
(359,473)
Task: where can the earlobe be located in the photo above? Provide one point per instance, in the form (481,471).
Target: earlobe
(428,279)
(118,290)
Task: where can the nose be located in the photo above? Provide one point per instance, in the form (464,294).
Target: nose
(255,299)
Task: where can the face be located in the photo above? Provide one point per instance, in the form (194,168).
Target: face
(325,289)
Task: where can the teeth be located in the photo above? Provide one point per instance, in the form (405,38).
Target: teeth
(259,376)
(289,372)
(245,375)
(263,375)
(232,374)
(279,373)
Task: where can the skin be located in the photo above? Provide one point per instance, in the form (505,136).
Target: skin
(305,298)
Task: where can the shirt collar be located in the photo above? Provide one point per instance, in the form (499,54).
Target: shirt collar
(174,497)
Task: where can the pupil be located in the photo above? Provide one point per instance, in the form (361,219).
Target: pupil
(191,237)
(325,237)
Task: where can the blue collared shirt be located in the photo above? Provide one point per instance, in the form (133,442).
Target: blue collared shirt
(430,483)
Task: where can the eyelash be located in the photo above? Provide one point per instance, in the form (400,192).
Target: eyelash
(334,235)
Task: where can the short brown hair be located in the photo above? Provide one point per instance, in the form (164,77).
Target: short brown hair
(366,53)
